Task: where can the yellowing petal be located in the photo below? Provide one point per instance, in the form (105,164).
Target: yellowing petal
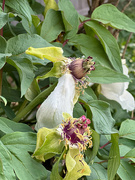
(76,166)
(53,54)
(50,4)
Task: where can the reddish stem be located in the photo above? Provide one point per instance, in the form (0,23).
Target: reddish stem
(3,5)
(1,70)
(105,145)
(65,42)
(81,25)
(107,160)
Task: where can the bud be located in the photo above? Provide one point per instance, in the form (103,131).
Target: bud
(80,67)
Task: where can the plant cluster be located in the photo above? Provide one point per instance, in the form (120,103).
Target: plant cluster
(66,92)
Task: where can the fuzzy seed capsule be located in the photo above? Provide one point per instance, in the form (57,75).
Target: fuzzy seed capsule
(80,67)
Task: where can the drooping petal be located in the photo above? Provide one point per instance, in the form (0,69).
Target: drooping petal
(118,92)
(76,166)
(114,88)
(53,54)
(60,100)
(127,101)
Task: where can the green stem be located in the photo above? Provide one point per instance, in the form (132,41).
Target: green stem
(1,73)
(22,106)
(39,99)
(102,157)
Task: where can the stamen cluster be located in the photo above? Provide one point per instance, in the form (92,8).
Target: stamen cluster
(76,132)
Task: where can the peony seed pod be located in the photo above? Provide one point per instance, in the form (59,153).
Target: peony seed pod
(80,67)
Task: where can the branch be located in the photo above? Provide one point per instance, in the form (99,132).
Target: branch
(124,8)
(117,3)
(124,51)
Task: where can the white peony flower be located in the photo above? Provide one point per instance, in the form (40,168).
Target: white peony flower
(60,100)
(119,93)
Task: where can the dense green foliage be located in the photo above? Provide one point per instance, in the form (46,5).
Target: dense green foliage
(113,153)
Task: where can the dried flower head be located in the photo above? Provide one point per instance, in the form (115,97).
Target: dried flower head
(76,132)
(80,67)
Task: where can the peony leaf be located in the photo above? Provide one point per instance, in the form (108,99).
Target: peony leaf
(107,14)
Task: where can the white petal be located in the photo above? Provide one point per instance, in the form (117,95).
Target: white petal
(60,100)
(116,88)
(127,101)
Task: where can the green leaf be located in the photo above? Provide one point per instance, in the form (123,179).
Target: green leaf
(19,144)
(109,44)
(3,99)
(86,96)
(52,25)
(111,16)
(90,46)
(4,127)
(9,126)
(127,129)
(104,75)
(22,7)
(98,172)
(25,70)
(78,110)
(55,170)
(3,45)
(37,24)
(70,17)
(8,110)
(126,171)
(1,171)
(3,19)
(114,157)
(102,118)
(92,152)
(131,154)
(18,45)
(6,160)
(28,26)
(32,91)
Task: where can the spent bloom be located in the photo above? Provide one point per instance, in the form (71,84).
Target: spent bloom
(73,133)
(72,79)
(119,93)
(76,132)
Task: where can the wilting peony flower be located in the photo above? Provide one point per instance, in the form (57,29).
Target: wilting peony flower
(67,90)
(60,100)
(76,133)
(119,93)
(73,133)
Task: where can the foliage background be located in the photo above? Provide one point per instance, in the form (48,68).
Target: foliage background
(113,152)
